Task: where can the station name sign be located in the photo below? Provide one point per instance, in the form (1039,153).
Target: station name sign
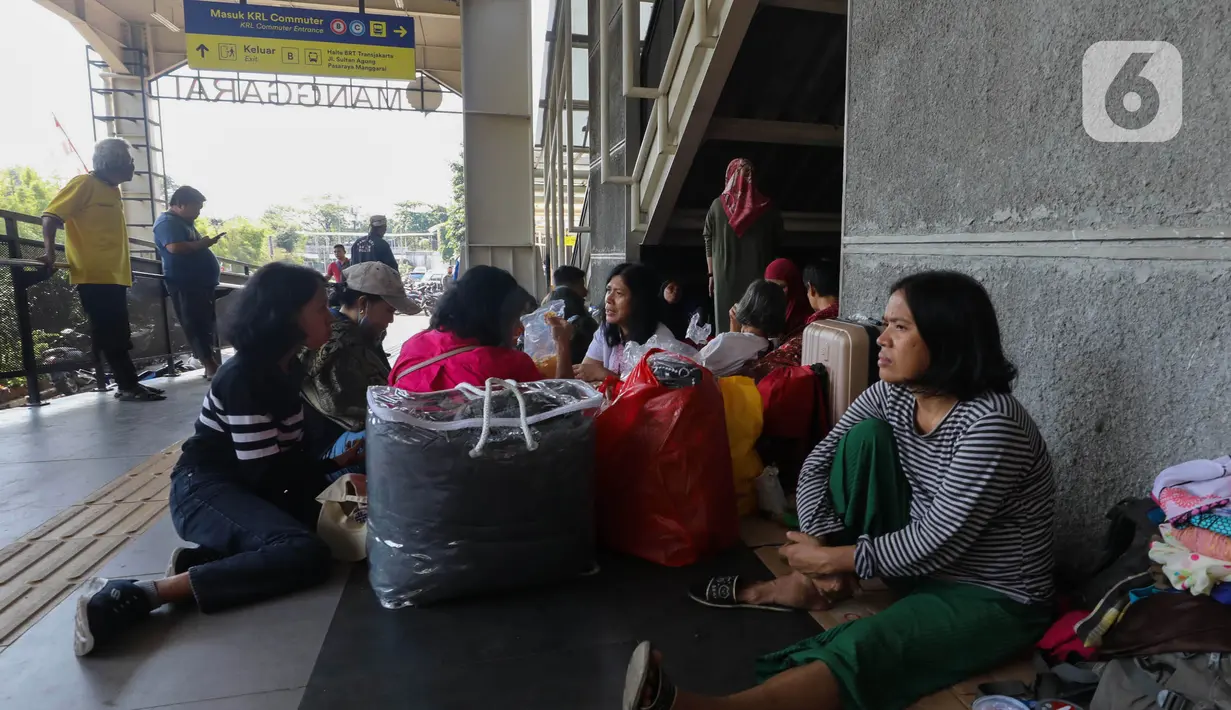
(281,92)
(287,40)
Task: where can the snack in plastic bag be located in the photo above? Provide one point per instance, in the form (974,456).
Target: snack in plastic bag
(633,353)
(537,339)
(472,491)
(697,333)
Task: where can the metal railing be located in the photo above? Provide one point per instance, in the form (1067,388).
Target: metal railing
(44,332)
(695,29)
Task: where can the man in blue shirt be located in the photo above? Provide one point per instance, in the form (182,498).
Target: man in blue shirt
(190,271)
(373,247)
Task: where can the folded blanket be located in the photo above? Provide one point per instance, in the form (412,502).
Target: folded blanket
(1185,569)
(1193,487)
(1205,542)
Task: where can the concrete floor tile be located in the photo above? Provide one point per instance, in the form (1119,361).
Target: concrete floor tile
(275,700)
(177,657)
(147,554)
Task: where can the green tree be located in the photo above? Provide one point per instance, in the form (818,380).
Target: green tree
(244,241)
(416,217)
(24,190)
(330,214)
(286,225)
(453,235)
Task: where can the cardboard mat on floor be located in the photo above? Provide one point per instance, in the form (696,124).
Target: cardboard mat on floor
(47,563)
(765,536)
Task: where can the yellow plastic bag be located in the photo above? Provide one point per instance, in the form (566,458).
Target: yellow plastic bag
(742,405)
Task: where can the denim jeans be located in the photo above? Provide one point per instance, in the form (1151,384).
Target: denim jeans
(267,543)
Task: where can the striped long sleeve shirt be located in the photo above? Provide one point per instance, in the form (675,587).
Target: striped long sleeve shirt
(982,495)
(251,428)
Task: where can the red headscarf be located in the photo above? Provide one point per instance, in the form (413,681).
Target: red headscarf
(797,309)
(741,200)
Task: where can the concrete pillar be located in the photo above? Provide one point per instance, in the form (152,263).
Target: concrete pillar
(1109,263)
(497,127)
(612,240)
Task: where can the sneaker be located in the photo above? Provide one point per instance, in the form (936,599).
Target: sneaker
(185,558)
(106,609)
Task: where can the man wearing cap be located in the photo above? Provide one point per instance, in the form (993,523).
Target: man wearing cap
(373,247)
(337,376)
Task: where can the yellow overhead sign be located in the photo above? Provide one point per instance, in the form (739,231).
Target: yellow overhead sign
(284,40)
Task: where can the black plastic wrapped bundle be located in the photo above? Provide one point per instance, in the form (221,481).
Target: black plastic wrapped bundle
(452,512)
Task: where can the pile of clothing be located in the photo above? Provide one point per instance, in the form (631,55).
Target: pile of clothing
(1159,633)
(1195,550)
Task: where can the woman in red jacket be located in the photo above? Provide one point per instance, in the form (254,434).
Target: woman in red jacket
(472,337)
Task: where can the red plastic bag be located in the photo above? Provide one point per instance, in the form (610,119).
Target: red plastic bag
(664,489)
(794,400)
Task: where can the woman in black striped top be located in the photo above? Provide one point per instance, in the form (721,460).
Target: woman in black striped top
(936,480)
(244,488)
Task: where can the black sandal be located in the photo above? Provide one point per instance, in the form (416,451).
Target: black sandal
(720,592)
(139,395)
(152,390)
(643,672)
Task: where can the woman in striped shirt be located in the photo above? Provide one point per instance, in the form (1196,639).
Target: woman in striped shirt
(935,480)
(244,488)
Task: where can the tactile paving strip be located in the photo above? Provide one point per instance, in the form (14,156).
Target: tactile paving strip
(47,563)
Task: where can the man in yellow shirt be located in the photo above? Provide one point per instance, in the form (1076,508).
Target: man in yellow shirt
(91,212)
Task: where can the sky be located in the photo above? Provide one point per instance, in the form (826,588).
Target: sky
(244,158)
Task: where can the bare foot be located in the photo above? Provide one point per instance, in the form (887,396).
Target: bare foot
(793,590)
(836,587)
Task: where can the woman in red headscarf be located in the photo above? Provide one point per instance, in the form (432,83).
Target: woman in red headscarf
(784,273)
(742,231)
(811,297)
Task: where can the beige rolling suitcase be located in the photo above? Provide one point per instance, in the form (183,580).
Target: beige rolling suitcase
(848,351)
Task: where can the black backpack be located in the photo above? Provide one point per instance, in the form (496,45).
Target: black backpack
(1125,553)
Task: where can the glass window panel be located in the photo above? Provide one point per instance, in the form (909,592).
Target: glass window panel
(581,78)
(581,24)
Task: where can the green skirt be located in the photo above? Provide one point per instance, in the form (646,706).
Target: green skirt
(936,635)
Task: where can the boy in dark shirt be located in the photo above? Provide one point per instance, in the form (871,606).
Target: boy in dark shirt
(570,287)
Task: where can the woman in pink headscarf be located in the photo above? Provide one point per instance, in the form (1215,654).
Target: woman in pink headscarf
(742,231)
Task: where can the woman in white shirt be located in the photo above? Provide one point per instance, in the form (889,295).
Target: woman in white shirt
(631,310)
(759,316)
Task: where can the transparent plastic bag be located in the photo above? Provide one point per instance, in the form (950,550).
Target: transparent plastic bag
(673,372)
(537,340)
(770,496)
(633,353)
(863,319)
(471,491)
(697,333)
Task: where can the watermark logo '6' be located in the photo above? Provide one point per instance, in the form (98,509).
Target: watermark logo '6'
(1132,92)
